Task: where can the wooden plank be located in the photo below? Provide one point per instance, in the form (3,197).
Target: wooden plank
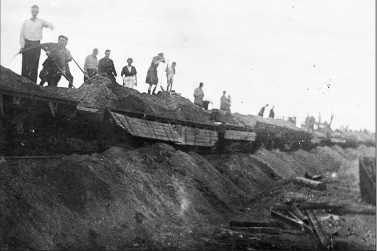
(167,132)
(257,224)
(322,236)
(87,109)
(309,183)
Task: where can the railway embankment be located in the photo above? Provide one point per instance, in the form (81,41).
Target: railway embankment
(158,197)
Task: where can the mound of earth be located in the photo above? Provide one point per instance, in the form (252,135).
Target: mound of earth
(10,82)
(104,94)
(157,197)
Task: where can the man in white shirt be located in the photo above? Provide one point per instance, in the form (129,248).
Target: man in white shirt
(91,65)
(170,72)
(30,39)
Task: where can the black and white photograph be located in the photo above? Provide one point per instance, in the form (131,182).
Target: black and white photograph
(188,125)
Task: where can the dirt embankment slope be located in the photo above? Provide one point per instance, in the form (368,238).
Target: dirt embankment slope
(155,196)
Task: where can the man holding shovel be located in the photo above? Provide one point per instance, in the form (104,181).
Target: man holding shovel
(56,64)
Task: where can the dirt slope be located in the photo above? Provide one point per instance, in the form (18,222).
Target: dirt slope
(102,93)
(156,197)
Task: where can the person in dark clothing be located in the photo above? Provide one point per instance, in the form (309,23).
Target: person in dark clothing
(152,78)
(30,40)
(129,74)
(106,66)
(261,112)
(56,64)
(272,113)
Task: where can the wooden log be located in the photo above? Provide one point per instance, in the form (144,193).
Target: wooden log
(309,183)
(259,230)
(300,215)
(256,224)
(306,226)
(306,205)
(331,207)
(287,219)
(322,236)
(359,209)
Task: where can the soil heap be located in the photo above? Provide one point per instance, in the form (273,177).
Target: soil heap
(101,93)
(157,197)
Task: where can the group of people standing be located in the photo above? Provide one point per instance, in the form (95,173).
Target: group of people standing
(58,57)
(271,115)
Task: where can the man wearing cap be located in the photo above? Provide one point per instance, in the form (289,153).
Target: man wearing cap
(30,39)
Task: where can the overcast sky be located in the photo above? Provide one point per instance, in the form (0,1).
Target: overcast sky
(304,57)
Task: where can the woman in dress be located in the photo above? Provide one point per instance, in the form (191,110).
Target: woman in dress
(152,78)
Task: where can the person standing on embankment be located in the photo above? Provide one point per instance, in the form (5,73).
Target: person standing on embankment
(129,74)
(225,103)
(261,112)
(30,39)
(199,95)
(152,78)
(272,113)
(106,65)
(170,72)
(91,65)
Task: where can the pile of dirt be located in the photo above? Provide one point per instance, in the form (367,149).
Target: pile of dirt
(14,83)
(116,200)
(104,94)
(152,197)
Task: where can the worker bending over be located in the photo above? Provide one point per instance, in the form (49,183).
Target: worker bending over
(261,112)
(56,63)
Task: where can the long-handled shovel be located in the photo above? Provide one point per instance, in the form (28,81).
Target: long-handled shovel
(62,72)
(80,68)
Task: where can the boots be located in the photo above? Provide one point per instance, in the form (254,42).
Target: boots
(149,91)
